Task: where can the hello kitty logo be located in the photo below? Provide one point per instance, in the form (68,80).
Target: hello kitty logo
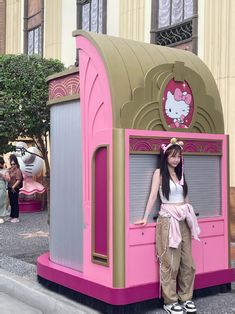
(178,104)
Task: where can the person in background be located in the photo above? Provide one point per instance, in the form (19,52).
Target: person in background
(14,185)
(4,177)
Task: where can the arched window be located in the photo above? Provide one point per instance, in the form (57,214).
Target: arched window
(91,15)
(174,23)
(33,27)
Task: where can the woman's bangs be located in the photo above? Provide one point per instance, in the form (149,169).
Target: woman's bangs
(173,151)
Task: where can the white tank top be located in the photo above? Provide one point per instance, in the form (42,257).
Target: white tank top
(176,195)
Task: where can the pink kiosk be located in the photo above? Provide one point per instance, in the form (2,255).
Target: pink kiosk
(108,120)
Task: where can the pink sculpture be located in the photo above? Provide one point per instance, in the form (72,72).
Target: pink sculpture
(31,166)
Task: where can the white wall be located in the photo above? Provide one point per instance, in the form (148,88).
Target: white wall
(68,46)
(113,9)
(201,26)
(147,20)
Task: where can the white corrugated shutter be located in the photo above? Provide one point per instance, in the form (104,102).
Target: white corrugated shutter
(203,175)
(66,227)
(142,168)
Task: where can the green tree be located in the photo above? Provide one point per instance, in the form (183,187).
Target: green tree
(23,97)
(3,138)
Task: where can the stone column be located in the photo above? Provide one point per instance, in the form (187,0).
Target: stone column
(2,26)
(132,19)
(217,49)
(14,27)
(53,29)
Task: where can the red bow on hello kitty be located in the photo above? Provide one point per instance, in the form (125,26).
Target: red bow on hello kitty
(178,95)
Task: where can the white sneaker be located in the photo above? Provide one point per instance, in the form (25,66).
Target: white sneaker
(15,220)
(174,308)
(7,218)
(1,221)
(189,306)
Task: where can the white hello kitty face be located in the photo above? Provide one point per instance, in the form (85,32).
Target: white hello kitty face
(176,109)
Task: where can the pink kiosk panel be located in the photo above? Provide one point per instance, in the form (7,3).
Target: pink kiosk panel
(97,94)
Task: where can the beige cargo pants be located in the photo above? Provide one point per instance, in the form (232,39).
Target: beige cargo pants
(177,269)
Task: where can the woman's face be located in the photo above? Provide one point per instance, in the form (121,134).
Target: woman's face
(13,164)
(174,159)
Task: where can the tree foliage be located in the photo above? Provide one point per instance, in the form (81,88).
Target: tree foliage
(23,97)
(3,137)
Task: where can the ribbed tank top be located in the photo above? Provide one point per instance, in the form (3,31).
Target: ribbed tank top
(176,195)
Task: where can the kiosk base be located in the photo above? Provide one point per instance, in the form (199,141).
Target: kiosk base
(30,206)
(61,276)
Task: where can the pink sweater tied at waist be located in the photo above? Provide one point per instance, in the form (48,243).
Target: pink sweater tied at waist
(178,213)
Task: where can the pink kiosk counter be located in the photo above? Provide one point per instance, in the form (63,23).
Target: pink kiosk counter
(108,120)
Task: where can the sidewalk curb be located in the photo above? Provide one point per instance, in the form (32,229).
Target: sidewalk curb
(38,297)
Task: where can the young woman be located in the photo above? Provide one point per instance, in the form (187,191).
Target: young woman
(176,225)
(4,177)
(13,188)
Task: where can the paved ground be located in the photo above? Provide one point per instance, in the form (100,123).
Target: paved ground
(21,243)
(9,304)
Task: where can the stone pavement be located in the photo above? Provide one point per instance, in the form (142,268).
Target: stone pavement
(21,243)
(22,296)
(20,293)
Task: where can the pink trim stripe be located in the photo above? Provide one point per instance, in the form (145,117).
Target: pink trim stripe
(25,192)
(146,144)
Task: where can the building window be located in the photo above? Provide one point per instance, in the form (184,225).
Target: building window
(33,27)
(174,23)
(91,15)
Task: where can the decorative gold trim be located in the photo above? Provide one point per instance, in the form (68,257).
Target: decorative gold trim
(128,74)
(157,152)
(133,152)
(98,258)
(62,100)
(99,255)
(65,73)
(145,110)
(119,208)
(178,137)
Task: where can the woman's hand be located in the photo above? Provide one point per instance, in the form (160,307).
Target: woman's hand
(7,176)
(142,222)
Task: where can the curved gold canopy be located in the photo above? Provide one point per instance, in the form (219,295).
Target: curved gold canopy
(139,72)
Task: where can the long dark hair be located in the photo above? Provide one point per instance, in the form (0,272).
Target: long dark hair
(2,160)
(14,158)
(174,149)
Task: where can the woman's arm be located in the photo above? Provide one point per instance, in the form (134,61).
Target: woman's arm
(186,199)
(14,186)
(152,197)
